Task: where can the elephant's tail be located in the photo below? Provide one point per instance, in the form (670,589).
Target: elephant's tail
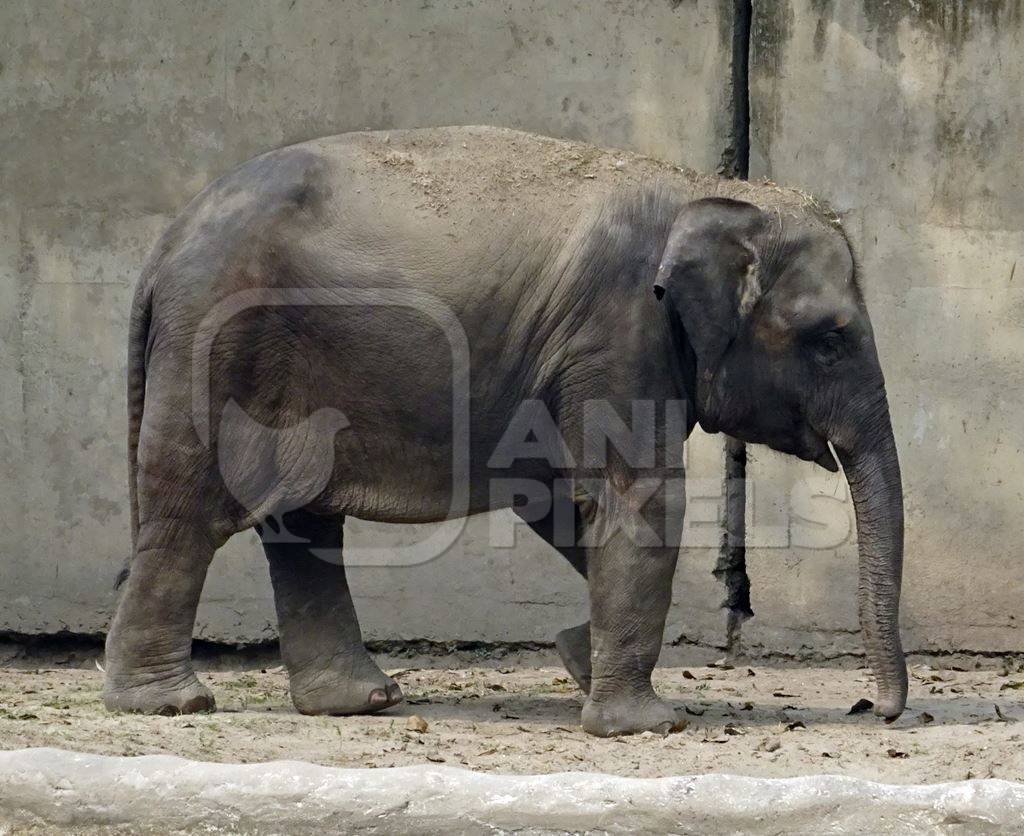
(138,342)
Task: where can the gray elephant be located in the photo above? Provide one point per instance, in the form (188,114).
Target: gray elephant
(421,325)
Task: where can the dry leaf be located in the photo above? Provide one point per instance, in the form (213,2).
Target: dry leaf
(861,706)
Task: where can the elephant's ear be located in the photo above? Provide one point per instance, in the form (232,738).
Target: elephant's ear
(710,271)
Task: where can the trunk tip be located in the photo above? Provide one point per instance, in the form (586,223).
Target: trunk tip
(890,708)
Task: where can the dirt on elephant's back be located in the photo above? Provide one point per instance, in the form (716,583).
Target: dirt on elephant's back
(497,165)
(479,165)
(517,718)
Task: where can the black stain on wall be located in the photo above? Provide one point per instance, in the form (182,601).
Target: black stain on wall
(771,30)
(955,21)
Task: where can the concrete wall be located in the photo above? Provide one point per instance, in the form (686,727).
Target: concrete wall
(909,122)
(117,111)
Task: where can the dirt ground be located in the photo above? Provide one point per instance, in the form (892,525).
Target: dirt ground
(511,715)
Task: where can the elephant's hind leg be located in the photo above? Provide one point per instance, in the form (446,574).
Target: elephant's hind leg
(573,646)
(149,646)
(572,643)
(329,670)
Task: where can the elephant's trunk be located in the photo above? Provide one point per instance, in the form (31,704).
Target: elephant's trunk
(873,472)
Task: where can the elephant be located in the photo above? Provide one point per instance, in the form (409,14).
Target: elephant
(422,325)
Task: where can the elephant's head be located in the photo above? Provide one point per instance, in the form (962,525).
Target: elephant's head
(785,356)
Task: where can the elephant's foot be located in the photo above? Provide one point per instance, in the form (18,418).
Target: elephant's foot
(628,714)
(573,645)
(360,689)
(183,694)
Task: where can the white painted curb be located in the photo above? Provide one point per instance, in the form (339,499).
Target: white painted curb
(54,788)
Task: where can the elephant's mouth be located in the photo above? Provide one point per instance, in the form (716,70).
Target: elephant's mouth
(807,445)
(793,436)
(819,452)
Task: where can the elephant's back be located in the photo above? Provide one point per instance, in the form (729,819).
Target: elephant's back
(422,203)
(464,214)
(474,170)
(426,206)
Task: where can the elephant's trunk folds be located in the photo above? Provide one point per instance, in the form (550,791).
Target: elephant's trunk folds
(873,472)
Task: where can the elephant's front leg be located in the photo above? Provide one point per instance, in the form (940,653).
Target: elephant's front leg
(630,569)
(329,670)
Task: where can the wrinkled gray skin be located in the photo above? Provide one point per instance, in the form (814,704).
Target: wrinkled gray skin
(547,254)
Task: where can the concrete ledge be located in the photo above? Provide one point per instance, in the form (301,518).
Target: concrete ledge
(93,793)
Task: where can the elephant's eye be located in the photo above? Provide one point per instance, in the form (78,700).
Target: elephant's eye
(828,347)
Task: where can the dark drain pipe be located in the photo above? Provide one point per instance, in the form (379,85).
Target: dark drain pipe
(731,567)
